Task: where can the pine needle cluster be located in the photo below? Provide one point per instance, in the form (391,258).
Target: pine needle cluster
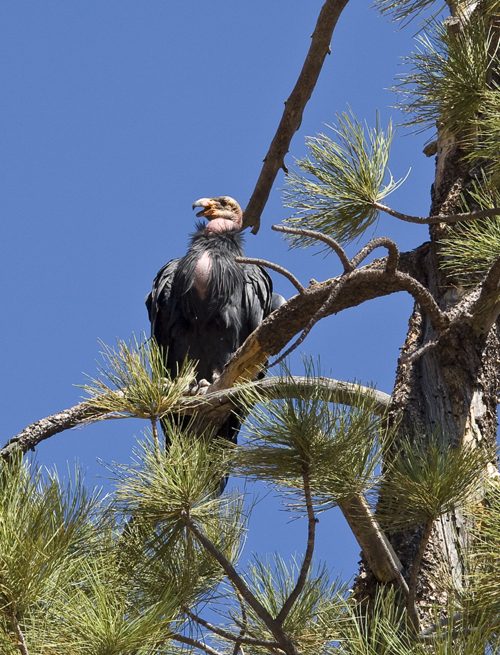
(135,382)
(343,178)
(449,73)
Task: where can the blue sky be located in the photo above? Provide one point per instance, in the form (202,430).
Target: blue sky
(115,115)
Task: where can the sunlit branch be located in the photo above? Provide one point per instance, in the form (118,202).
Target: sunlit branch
(433,220)
(376,548)
(274,267)
(318,236)
(294,108)
(212,402)
(189,641)
(226,634)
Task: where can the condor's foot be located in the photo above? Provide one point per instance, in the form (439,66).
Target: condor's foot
(202,385)
(199,387)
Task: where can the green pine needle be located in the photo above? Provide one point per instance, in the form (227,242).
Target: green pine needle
(313,622)
(472,247)
(337,446)
(135,382)
(427,479)
(343,179)
(448,77)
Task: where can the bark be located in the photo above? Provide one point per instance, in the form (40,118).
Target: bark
(452,388)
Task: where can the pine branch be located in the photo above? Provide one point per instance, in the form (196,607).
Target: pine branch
(440,218)
(487,308)
(21,641)
(318,236)
(226,634)
(214,403)
(384,242)
(306,563)
(274,626)
(294,108)
(377,549)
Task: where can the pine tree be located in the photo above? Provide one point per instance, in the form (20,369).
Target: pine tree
(413,473)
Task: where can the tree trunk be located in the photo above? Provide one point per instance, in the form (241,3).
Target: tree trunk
(451,389)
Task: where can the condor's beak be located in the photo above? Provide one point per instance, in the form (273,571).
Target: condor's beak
(206,203)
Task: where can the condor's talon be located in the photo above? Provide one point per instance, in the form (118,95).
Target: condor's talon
(199,387)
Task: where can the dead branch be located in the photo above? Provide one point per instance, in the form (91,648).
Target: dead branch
(294,108)
(358,287)
(319,236)
(274,267)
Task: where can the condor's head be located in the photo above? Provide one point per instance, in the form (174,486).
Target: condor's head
(223,214)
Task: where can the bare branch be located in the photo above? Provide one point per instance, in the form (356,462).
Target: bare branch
(183,639)
(274,267)
(438,318)
(487,307)
(319,236)
(308,555)
(392,259)
(441,218)
(226,634)
(37,432)
(212,404)
(294,108)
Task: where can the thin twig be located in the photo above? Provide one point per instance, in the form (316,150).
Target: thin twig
(433,220)
(414,573)
(274,267)
(226,634)
(318,236)
(231,573)
(384,242)
(308,555)
(244,623)
(294,108)
(194,642)
(320,313)
(438,318)
(156,440)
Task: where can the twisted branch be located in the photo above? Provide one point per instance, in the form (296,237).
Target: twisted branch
(318,236)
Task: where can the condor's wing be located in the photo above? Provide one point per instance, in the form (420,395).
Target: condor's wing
(159,301)
(257,295)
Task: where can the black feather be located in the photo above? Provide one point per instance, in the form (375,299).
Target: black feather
(210,329)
